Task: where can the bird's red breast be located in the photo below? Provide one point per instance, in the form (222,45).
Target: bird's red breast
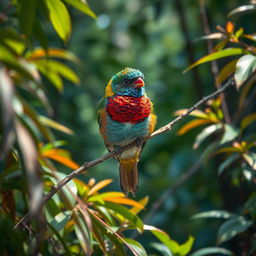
(126,109)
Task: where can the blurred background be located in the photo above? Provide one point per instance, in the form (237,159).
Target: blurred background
(159,38)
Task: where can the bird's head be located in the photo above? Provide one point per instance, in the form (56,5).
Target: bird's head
(128,82)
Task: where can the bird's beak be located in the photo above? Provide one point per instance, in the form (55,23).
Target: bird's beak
(138,83)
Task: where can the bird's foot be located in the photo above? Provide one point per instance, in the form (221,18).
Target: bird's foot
(117,152)
(139,143)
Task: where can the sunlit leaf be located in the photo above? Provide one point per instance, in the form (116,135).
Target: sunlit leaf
(102,196)
(143,201)
(55,125)
(58,68)
(60,220)
(248,120)
(211,36)
(214,214)
(187,246)
(81,6)
(209,130)
(60,18)
(230,133)
(232,227)
(63,160)
(122,200)
(192,124)
(211,251)
(196,113)
(217,55)
(163,249)
(138,248)
(250,158)
(244,68)
(242,9)
(39,53)
(226,71)
(99,186)
(133,219)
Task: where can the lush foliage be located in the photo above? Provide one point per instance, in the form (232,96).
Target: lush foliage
(86,217)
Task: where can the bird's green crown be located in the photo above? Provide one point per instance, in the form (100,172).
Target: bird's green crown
(127,82)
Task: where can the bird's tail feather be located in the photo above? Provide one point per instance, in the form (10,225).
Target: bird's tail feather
(128,172)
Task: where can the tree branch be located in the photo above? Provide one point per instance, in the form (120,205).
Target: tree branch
(92,163)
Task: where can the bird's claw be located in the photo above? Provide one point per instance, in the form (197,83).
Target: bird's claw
(139,143)
(117,152)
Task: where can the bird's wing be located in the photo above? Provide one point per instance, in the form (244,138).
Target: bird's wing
(102,120)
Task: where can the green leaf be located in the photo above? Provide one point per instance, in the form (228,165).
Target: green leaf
(217,55)
(187,246)
(212,250)
(60,220)
(248,120)
(242,9)
(209,130)
(226,71)
(136,246)
(172,245)
(225,164)
(53,124)
(244,68)
(60,18)
(127,214)
(81,6)
(230,133)
(27,12)
(59,68)
(250,158)
(214,214)
(232,227)
(40,35)
(162,249)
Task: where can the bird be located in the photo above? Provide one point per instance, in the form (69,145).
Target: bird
(126,115)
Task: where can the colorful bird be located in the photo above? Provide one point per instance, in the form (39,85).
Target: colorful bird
(126,115)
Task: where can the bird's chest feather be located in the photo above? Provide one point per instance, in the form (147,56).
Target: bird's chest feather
(127,109)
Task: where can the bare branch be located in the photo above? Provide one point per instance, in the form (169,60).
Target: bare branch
(90,164)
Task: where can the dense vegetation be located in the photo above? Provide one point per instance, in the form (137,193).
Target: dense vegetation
(197,182)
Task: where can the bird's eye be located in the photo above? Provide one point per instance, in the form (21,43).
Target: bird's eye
(125,81)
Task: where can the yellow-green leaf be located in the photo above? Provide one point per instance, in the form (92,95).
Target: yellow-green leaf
(217,55)
(55,125)
(81,6)
(60,18)
(248,120)
(226,71)
(99,186)
(192,124)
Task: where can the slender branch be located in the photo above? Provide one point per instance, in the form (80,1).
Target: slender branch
(92,163)
(214,63)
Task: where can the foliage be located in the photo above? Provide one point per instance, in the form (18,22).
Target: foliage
(91,218)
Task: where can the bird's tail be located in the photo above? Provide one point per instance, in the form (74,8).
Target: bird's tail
(128,172)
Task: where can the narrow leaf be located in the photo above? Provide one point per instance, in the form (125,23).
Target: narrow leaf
(192,124)
(60,18)
(55,125)
(137,247)
(126,201)
(63,160)
(226,71)
(187,246)
(212,250)
(230,133)
(242,9)
(60,220)
(99,186)
(248,120)
(233,227)
(214,214)
(217,55)
(81,6)
(244,68)
(225,164)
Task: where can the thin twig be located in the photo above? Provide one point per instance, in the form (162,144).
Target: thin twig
(90,164)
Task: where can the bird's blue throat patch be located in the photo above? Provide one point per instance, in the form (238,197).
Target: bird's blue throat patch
(133,92)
